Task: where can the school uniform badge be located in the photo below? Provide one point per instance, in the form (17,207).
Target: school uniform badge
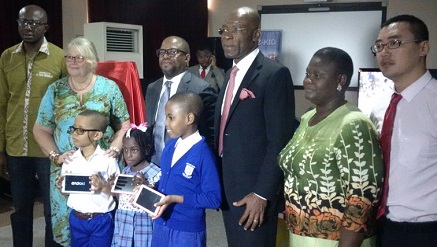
(188,172)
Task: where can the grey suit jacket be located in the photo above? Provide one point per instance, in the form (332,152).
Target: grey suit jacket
(215,76)
(188,82)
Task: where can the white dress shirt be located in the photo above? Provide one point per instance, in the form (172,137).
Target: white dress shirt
(243,66)
(412,194)
(173,88)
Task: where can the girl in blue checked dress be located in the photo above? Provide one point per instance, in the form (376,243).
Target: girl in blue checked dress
(133,226)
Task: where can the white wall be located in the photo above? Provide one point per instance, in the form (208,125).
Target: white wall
(75,15)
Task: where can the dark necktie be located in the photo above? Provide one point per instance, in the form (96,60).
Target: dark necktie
(226,107)
(159,130)
(203,73)
(385,141)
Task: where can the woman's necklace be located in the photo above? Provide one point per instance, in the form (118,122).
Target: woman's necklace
(81,89)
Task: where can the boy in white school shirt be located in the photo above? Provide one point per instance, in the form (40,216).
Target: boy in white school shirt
(91,220)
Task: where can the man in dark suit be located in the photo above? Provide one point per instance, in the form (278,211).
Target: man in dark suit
(259,124)
(174,57)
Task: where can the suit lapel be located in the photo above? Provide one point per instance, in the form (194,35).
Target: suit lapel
(183,84)
(249,77)
(156,92)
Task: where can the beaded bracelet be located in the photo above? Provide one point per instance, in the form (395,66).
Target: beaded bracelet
(115,149)
(53,156)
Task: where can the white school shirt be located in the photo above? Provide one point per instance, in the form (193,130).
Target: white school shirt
(99,162)
(412,194)
(182,146)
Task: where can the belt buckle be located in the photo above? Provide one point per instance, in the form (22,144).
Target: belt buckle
(89,216)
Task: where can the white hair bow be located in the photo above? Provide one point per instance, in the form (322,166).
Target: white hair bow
(142,127)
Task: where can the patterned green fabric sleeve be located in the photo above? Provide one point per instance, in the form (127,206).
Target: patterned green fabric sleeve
(359,160)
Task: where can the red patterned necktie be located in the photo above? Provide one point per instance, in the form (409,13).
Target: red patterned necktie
(203,73)
(385,141)
(226,106)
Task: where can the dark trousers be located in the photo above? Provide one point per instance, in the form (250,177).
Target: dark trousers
(406,234)
(22,172)
(264,236)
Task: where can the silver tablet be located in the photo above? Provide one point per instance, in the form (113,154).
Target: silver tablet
(146,198)
(123,184)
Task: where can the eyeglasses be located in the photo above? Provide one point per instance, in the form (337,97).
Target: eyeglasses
(231,30)
(79,131)
(172,52)
(30,23)
(392,44)
(77,59)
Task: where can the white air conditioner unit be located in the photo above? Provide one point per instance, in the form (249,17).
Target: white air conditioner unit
(117,41)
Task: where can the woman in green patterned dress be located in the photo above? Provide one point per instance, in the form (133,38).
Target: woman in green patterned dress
(332,166)
(63,101)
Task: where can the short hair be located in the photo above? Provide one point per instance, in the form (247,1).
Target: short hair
(98,119)
(417,27)
(203,47)
(180,42)
(86,49)
(145,141)
(190,102)
(35,9)
(340,59)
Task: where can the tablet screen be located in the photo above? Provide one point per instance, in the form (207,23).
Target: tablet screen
(123,184)
(146,198)
(76,183)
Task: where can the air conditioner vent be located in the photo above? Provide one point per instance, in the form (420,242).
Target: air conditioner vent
(117,41)
(121,40)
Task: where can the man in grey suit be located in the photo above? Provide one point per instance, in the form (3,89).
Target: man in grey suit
(207,68)
(174,57)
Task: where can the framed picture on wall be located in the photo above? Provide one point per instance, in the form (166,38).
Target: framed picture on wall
(270,44)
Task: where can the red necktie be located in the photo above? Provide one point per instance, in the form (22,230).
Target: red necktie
(385,141)
(202,74)
(226,106)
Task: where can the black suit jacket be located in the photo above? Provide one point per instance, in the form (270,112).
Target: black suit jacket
(189,82)
(256,131)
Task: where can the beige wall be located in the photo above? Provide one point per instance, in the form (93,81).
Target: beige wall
(75,15)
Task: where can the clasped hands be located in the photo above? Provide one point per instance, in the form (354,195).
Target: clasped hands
(253,216)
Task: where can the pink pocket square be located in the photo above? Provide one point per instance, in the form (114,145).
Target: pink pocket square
(245,93)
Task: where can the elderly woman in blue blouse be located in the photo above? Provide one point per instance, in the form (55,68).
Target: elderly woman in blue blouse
(63,101)
(332,166)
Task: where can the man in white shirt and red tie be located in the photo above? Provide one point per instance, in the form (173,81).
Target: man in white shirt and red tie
(408,210)
(207,68)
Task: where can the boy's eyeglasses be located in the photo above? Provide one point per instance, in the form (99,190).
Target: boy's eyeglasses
(79,131)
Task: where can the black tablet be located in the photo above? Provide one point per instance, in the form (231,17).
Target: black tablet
(123,184)
(76,183)
(146,197)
